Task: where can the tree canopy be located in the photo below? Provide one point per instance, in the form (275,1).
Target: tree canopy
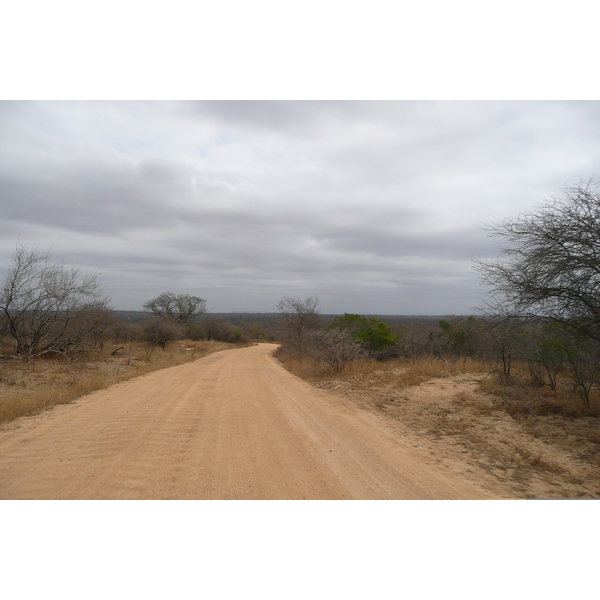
(48,307)
(550,263)
(181,308)
(371,333)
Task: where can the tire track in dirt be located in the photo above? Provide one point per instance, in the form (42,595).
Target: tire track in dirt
(233,425)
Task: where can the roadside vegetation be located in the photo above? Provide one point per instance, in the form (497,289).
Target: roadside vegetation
(27,387)
(60,339)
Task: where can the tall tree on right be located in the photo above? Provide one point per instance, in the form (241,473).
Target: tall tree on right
(550,263)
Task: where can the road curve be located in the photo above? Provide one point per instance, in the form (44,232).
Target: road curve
(233,425)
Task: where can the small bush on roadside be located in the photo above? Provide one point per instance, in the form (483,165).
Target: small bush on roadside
(334,346)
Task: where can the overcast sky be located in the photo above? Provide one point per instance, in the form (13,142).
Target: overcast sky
(376,207)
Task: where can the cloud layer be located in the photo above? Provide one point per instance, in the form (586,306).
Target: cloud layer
(374,206)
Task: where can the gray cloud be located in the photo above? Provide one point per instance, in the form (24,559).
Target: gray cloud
(375,206)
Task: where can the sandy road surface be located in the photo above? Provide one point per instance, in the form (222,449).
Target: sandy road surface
(233,425)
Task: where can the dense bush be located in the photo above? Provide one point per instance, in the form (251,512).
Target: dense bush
(371,334)
(334,346)
(158,331)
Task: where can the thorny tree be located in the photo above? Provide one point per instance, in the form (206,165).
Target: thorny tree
(551,266)
(182,308)
(44,305)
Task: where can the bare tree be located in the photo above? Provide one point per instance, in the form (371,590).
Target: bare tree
(43,304)
(298,316)
(551,263)
(182,308)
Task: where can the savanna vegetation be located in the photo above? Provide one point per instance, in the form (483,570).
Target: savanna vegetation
(60,339)
(536,342)
(532,366)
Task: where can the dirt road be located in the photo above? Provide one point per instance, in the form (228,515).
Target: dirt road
(233,425)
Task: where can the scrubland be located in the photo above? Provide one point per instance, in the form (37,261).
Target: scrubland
(486,418)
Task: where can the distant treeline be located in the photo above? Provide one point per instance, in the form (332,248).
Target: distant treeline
(238,318)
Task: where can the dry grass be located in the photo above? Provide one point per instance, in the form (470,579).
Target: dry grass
(418,370)
(27,402)
(28,387)
(398,373)
(517,396)
(537,461)
(593,436)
